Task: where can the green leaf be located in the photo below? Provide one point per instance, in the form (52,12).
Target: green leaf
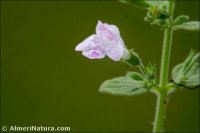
(193,76)
(188,72)
(134,75)
(124,86)
(191,26)
(181,19)
(138,3)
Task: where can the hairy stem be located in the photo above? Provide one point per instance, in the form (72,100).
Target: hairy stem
(164,70)
(160,111)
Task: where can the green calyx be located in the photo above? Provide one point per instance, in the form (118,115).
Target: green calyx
(134,59)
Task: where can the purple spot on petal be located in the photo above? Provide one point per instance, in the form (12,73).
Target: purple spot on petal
(95,54)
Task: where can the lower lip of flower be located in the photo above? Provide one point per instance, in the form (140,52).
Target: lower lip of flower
(95,54)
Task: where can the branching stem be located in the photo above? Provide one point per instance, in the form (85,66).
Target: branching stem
(164,70)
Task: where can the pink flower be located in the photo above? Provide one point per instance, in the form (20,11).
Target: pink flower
(106,42)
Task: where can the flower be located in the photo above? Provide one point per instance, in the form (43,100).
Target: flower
(106,42)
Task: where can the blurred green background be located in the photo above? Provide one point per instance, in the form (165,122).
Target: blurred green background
(45,82)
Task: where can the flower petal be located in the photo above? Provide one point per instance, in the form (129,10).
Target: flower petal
(106,41)
(116,52)
(86,44)
(109,31)
(105,26)
(94,54)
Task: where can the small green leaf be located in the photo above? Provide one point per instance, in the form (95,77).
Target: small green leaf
(150,75)
(191,25)
(150,71)
(188,72)
(138,3)
(124,86)
(181,19)
(134,75)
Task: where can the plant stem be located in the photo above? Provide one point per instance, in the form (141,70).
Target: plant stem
(168,33)
(160,111)
(164,70)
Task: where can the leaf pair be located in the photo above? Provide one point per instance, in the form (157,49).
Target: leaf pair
(188,73)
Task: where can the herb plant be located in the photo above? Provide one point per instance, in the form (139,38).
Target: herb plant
(107,41)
